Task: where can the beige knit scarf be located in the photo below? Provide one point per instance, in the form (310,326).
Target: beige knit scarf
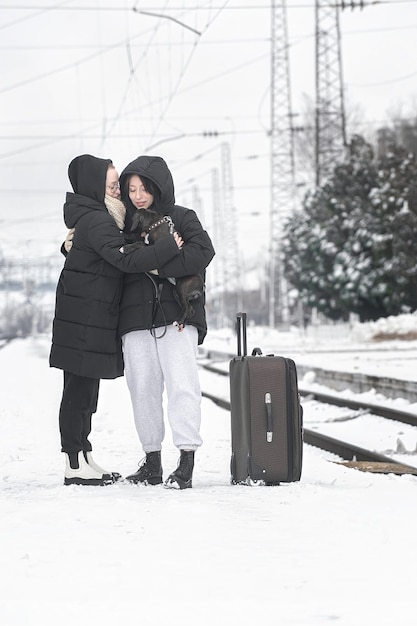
(117,210)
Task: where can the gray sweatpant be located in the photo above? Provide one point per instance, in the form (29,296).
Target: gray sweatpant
(149,364)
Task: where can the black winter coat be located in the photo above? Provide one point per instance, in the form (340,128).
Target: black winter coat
(139,309)
(84,337)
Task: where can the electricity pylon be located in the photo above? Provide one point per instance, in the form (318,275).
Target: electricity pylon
(218,263)
(232,285)
(226,262)
(330,109)
(282,160)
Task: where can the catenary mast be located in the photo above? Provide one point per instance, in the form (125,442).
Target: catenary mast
(282,160)
(330,109)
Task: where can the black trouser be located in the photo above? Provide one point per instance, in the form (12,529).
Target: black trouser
(79,402)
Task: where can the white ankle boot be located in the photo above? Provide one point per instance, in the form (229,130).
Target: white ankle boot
(84,474)
(91,462)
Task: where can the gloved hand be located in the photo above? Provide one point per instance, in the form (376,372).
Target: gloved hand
(68,240)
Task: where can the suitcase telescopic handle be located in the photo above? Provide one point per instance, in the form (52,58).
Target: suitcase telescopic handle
(269,423)
(242,348)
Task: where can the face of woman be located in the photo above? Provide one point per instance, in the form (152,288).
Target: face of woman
(112,183)
(138,195)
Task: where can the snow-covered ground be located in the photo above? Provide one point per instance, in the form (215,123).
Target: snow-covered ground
(345,347)
(336,548)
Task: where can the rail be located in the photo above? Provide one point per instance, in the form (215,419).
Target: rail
(355,456)
(397,415)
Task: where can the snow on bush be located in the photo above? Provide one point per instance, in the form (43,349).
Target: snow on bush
(402,327)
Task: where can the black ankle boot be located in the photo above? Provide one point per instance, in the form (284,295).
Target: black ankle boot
(182,478)
(150,472)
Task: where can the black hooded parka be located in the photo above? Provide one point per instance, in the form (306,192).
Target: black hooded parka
(84,337)
(148,301)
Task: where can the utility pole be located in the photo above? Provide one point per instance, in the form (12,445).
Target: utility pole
(282,160)
(330,108)
(218,262)
(232,287)
(197,203)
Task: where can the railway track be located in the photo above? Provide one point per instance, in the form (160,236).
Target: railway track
(352,455)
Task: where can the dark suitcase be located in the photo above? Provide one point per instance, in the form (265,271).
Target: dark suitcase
(266,416)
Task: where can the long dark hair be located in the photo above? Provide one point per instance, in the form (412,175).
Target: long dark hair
(150,187)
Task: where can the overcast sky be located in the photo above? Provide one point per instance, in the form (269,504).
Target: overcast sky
(98,77)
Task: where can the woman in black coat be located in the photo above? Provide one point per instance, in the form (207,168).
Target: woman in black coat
(85,341)
(156,354)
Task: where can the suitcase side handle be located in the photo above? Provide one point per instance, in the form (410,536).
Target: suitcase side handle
(269,422)
(241,334)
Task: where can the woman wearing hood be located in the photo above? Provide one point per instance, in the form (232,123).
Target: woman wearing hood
(85,341)
(155,353)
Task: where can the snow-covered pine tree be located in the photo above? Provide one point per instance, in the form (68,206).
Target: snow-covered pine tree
(349,249)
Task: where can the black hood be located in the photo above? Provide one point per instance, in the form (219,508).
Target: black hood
(87,175)
(88,179)
(155,169)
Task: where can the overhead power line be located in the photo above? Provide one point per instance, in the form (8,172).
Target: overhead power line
(212,42)
(303,5)
(128,9)
(168,17)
